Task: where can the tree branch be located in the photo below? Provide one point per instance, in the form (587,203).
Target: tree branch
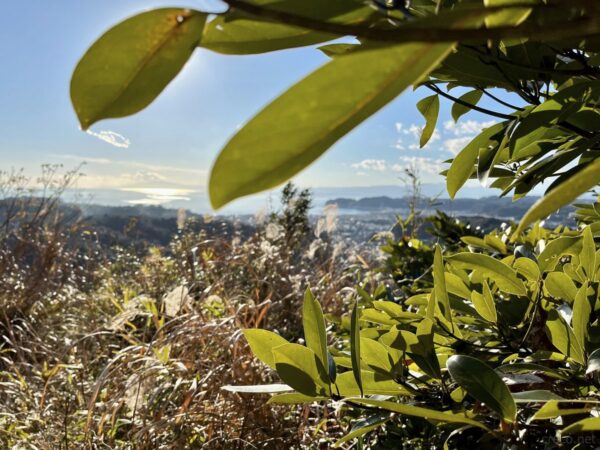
(583,26)
(502,102)
(489,112)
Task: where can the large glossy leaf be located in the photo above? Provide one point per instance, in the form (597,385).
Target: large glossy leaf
(429,107)
(582,426)
(300,368)
(471,97)
(259,388)
(463,164)
(559,285)
(417,411)
(262,343)
(364,426)
(593,362)
(484,384)
(131,64)
(240,33)
(587,257)
(536,396)
(314,328)
(355,346)
(293,398)
(376,356)
(562,195)
(423,353)
(564,245)
(512,16)
(373,383)
(553,409)
(484,304)
(456,286)
(582,310)
(301,124)
(562,337)
(439,284)
(503,275)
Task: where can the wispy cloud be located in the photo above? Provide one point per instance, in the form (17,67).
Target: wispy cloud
(130,164)
(114,139)
(455,145)
(467,127)
(376,165)
(426,166)
(412,133)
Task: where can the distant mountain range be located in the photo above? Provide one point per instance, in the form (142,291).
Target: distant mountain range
(499,208)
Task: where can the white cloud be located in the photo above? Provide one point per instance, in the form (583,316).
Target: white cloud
(467,127)
(131,164)
(436,136)
(455,145)
(413,132)
(114,139)
(375,165)
(427,166)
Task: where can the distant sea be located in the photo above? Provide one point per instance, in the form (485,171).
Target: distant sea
(197,200)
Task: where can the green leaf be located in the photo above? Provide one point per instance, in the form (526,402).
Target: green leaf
(562,337)
(300,368)
(305,121)
(509,17)
(503,275)
(259,388)
(553,409)
(399,339)
(439,284)
(587,257)
(375,355)
(536,396)
(585,425)
(395,311)
(562,195)
(429,107)
(314,328)
(559,285)
(423,353)
(593,362)
(471,97)
(484,384)
(262,343)
(363,426)
(564,245)
(463,164)
(456,286)
(355,346)
(239,33)
(373,383)
(131,64)
(581,315)
(527,268)
(417,411)
(293,398)
(484,304)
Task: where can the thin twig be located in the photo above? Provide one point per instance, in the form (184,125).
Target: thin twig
(469,105)
(502,102)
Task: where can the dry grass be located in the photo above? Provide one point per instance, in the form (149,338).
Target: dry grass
(131,351)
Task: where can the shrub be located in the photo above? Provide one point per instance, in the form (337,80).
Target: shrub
(501,348)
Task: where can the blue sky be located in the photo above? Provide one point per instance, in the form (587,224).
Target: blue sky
(173,142)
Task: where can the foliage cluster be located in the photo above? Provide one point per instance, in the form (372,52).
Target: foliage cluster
(495,343)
